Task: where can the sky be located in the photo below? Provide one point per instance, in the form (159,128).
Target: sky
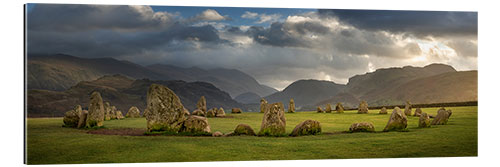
(276,46)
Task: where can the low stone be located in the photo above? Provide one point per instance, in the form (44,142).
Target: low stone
(217,134)
(319,110)
(383,110)
(418,112)
(243,129)
(198,112)
(328,108)
(195,124)
(211,112)
(273,121)
(362,127)
(363,108)
(133,112)
(72,117)
(339,108)
(220,113)
(236,111)
(424,121)
(308,127)
(397,121)
(442,117)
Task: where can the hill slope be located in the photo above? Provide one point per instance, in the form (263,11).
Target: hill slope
(122,92)
(306,92)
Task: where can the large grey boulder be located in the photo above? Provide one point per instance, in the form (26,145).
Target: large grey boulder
(363,108)
(308,127)
(165,111)
(95,117)
(273,122)
(397,121)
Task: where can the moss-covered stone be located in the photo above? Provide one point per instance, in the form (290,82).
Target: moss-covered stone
(308,127)
(133,112)
(397,121)
(273,121)
(96,113)
(220,113)
(202,104)
(244,129)
(328,108)
(291,106)
(165,111)
(211,112)
(319,110)
(363,107)
(72,117)
(195,124)
(442,117)
(407,108)
(339,108)
(383,110)
(362,127)
(424,121)
(263,105)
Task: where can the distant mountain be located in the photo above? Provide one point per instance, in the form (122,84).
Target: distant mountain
(232,81)
(248,98)
(306,92)
(435,83)
(123,92)
(59,72)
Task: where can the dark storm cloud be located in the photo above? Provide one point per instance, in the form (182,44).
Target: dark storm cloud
(418,23)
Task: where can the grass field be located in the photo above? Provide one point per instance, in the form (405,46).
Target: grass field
(49,143)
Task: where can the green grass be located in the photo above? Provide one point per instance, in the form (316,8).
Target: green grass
(50,143)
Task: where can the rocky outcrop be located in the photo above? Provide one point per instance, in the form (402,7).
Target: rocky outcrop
(95,117)
(442,117)
(362,127)
(363,108)
(308,127)
(273,122)
(165,111)
(397,121)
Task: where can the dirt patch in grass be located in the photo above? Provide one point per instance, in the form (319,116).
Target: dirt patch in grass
(121,132)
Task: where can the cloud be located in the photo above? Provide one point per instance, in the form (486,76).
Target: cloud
(261,18)
(60,17)
(418,23)
(210,15)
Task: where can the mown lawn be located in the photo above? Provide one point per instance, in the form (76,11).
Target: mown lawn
(50,143)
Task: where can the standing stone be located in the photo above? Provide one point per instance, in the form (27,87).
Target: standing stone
(202,104)
(383,110)
(119,115)
(211,112)
(397,121)
(107,111)
(442,117)
(133,112)
(198,112)
(263,104)
(328,108)
(72,117)
(236,111)
(418,112)
(165,111)
(83,118)
(319,110)
(291,106)
(195,124)
(424,121)
(339,108)
(362,127)
(308,127)
(363,107)
(273,122)
(407,108)
(220,113)
(95,117)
